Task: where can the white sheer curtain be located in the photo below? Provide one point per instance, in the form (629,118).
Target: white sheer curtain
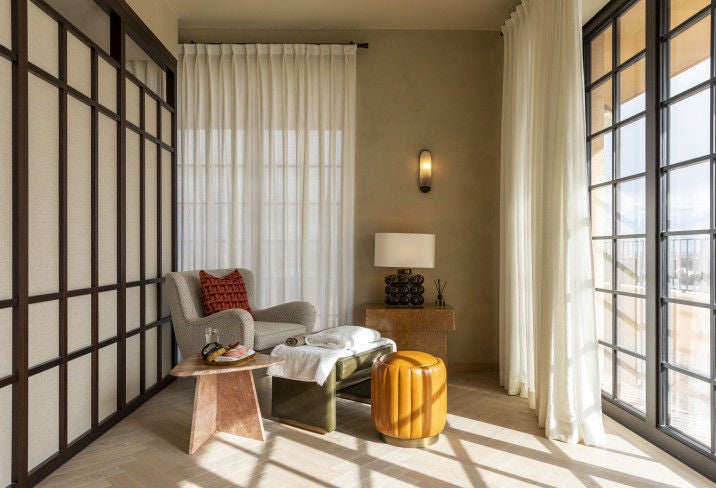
(266,168)
(548,348)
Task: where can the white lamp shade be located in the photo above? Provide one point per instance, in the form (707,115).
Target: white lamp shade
(405,250)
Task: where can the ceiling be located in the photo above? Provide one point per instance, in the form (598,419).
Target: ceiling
(347,14)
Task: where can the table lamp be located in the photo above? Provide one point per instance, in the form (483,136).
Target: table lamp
(404,251)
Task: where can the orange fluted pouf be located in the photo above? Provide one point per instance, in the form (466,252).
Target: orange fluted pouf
(408,398)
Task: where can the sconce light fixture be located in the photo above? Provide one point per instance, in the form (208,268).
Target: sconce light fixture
(426,171)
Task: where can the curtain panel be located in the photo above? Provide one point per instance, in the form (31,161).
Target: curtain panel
(548,345)
(266,168)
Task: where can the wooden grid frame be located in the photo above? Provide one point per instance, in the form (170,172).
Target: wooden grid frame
(123,21)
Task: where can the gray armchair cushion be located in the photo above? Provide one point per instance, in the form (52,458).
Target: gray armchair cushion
(294,312)
(272,327)
(271,334)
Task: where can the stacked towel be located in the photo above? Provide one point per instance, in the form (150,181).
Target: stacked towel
(343,337)
(311,363)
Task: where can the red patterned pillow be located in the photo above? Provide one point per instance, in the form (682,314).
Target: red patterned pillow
(223,293)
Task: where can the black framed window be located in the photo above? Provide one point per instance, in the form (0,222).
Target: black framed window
(617,136)
(651,105)
(686,239)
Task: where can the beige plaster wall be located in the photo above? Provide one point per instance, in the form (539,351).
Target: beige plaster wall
(161,19)
(439,90)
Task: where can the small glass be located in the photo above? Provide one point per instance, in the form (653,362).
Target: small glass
(211,335)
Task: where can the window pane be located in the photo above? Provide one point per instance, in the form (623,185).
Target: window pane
(631,323)
(601,54)
(689,198)
(601,158)
(632,37)
(632,148)
(631,265)
(603,306)
(605,369)
(689,127)
(632,85)
(631,381)
(601,103)
(689,268)
(690,57)
(631,207)
(602,250)
(689,337)
(689,407)
(683,9)
(602,211)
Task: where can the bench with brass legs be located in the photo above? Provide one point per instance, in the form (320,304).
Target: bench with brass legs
(313,407)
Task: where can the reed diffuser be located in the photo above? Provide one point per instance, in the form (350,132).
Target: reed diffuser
(440,301)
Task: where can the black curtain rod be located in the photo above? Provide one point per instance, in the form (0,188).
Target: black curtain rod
(359,45)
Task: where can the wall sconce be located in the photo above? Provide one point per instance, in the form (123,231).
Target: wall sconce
(426,171)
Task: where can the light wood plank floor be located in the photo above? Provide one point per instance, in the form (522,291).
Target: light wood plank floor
(490,440)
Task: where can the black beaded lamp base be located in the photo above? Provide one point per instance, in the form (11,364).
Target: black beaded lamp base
(404,289)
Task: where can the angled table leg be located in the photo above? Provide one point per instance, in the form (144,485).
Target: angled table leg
(227,403)
(238,410)
(224,399)
(203,420)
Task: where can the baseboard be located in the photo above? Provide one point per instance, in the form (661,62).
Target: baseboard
(472,367)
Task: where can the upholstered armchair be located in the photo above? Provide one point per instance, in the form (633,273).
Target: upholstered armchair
(272,325)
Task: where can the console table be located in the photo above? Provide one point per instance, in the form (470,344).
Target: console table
(420,329)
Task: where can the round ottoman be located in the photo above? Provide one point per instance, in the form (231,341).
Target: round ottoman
(408,398)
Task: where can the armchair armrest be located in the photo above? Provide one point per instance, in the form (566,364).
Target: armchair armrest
(235,325)
(292,312)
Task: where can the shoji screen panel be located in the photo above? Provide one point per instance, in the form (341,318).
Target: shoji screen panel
(7,59)
(79,397)
(107,81)
(6,443)
(149,179)
(87,212)
(5,178)
(42,40)
(166,230)
(107,382)
(43,416)
(6,24)
(79,322)
(107,199)
(134,362)
(43,185)
(79,65)
(79,194)
(133,227)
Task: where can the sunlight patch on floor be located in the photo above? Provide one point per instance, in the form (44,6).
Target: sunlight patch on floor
(491,440)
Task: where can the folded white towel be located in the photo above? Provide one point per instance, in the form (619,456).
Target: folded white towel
(311,363)
(343,337)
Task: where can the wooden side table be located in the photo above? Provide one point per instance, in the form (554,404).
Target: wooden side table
(224,398)
(421,329)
